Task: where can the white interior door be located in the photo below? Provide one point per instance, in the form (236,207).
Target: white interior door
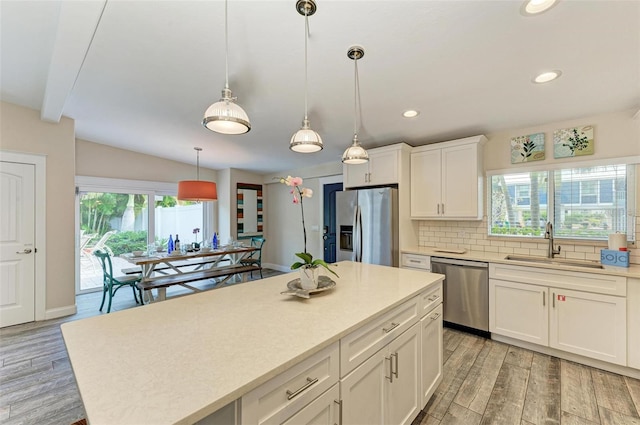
(17,243)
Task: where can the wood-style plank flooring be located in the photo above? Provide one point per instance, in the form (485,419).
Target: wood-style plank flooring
(484,382)
(488,382)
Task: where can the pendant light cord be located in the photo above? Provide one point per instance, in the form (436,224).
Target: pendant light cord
(198,165)
(355,98)
(306,38)
(226,46)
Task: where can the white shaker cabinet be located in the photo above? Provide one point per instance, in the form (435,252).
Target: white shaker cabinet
(383,168)
(592,325)
(575,312)
(519,310)
(385,388)
(446,179)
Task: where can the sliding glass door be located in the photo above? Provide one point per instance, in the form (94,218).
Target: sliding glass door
(117,223)
(119,216)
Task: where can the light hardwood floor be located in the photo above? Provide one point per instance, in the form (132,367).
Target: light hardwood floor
(488,382)
(485,382)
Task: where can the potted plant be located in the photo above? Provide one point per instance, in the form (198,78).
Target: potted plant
(308,267)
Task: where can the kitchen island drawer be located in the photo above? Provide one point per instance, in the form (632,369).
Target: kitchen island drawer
(362,343)
(430,298)
(278,399)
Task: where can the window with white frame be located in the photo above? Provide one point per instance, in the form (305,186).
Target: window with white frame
(582,203)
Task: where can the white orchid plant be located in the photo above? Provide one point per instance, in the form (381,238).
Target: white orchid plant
(299,193)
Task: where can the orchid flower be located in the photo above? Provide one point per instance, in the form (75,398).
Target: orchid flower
(299,193)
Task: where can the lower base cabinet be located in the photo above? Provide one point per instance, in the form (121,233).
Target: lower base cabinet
(584,323)
(385,388)
(591,325)
(390,368)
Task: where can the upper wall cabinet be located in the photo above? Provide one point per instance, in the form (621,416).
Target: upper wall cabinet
(383,168)
(446,180)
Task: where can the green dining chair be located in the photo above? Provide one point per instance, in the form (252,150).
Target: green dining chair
(255,259)
(111,284)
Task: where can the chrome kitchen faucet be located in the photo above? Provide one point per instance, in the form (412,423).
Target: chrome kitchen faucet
(549,235)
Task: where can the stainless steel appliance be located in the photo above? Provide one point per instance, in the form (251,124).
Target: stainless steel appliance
(367,224)
(466,293)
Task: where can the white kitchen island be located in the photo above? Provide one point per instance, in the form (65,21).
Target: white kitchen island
(179,361)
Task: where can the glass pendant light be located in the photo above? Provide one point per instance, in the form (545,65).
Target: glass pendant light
(197,190)
(306,140)
(226,116)
(355,154)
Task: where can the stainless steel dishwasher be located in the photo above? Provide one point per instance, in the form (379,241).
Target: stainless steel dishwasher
(466,293)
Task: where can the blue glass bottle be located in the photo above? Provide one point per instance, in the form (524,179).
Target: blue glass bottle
(170,245)
(214,243)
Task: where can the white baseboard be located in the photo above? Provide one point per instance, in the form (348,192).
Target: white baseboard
(54,313)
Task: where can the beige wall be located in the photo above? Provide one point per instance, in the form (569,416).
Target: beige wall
(283,221)
(96,160)
(21,130)
(616,135)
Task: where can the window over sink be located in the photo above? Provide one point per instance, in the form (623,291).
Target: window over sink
(582,203)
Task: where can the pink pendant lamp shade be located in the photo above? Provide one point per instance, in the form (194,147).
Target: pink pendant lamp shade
(197,190)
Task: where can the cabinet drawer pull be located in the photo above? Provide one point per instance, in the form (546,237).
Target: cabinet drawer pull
(297,392)
(390,377)
(396,372)
(544,299)
(415,261)
(393,326)
(442,208)
(438,208)
(435,297)
(435,316)
(339,403)
(553,300)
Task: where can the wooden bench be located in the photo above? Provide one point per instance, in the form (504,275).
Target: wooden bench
(163,282)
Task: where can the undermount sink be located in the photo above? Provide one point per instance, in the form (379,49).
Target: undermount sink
(558,261)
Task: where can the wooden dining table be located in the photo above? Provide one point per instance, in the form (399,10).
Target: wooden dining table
(161,270)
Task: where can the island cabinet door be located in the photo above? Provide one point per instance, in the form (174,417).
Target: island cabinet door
(362,391)
(385,389)
(403,392)
(431,353)
(324,410)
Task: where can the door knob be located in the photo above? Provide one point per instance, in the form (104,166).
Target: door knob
(325,237)
(26,251)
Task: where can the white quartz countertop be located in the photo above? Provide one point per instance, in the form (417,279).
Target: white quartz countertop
(177,361)
(494,257)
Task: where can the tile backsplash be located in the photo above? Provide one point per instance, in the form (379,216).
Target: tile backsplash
(472,236)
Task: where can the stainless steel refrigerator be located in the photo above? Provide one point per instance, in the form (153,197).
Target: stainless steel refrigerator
(367,224)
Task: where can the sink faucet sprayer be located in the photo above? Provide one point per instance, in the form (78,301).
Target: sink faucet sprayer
(549,235)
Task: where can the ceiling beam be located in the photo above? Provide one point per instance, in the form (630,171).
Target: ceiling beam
(77,25)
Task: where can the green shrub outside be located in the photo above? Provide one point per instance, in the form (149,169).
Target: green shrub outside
(124,242)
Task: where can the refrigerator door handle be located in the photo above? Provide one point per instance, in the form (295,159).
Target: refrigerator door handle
(354,256)
(360,236)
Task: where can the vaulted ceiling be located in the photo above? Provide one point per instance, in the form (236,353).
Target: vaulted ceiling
(139,75)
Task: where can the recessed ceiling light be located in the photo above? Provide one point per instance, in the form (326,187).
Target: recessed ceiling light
(545,77)
(533,7)
(410,113)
